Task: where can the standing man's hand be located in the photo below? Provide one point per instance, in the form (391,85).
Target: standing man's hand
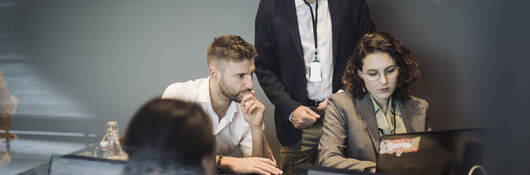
(252,110)
(303,117)
(323,105)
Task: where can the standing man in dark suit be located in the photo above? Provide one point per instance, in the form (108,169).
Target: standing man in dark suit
(299,69)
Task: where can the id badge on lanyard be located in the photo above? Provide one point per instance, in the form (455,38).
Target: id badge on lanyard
(315,70)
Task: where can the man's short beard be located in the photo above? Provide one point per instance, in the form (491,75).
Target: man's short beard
(232,94)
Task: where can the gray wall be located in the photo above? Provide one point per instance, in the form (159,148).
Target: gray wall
(118,54)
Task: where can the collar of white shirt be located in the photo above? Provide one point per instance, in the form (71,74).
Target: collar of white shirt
(298,3)
(204,98)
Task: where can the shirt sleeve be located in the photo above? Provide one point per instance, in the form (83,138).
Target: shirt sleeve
(181,90)
(246,143)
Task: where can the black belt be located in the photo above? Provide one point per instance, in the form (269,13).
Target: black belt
(313,103)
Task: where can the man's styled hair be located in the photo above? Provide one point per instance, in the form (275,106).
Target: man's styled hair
(170,130)
(230,48)
(385,43)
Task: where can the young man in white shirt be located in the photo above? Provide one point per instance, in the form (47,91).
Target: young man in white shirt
(227,96)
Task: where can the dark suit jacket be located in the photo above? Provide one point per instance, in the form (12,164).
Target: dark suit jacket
(280,64)
(350,138)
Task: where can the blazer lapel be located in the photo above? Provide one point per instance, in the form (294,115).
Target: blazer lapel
(365,110)
(407,113)
(289,14)
(334,12)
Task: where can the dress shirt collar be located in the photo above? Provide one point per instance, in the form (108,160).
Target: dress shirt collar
(298,3)
(204,97)
(377,108)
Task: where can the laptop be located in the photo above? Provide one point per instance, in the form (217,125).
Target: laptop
(432,153)
(315,170)
(80,165)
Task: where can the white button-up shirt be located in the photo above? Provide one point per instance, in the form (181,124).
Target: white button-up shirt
(323,89)
(232,132)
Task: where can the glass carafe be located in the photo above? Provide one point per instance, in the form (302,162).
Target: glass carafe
(109,146)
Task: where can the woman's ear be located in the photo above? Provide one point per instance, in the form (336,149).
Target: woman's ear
(360,73)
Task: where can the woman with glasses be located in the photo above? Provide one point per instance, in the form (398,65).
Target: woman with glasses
(376,102)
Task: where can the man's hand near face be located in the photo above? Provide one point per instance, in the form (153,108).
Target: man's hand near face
(252,110)
(262,161)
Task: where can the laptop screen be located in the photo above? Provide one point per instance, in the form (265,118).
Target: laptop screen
(71,164)
(441,152)
(315,170)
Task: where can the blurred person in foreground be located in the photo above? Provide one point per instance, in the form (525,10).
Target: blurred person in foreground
(169,136)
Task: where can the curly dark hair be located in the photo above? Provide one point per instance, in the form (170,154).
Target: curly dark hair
(381,42)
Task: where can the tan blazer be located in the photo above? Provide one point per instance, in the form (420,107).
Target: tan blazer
(350,138)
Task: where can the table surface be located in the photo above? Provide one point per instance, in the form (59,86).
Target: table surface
(21,155)
(38,164)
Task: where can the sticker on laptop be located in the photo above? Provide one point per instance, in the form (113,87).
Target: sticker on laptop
(399,146)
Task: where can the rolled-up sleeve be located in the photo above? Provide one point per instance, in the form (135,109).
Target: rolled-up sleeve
(246,144)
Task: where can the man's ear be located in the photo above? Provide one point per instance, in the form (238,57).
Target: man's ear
(212,72)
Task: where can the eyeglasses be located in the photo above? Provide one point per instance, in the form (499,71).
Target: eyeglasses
(390,72)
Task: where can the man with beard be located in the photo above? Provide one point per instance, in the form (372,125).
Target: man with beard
(237,116)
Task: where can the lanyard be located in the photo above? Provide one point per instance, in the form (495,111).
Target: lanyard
(314,18)
(393,112)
